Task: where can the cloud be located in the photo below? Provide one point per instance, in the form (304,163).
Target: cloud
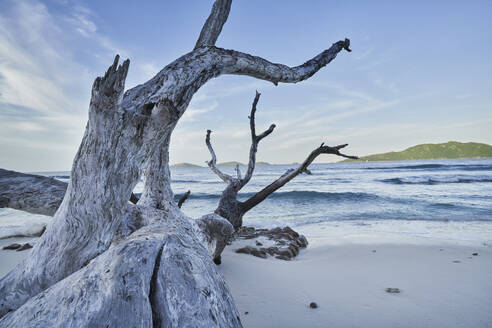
(44,81)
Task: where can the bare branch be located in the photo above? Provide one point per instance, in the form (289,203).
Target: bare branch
(238,172)
(291,174)
(254,141)
(183,198)
(213,26)
(213,162)
(245,64)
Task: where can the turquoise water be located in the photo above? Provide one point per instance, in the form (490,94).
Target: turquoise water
(447,190)
(454,190)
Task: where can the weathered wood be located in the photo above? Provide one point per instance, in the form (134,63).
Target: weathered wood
(160,276)
(184,198)
(291,174)
(229,206)
(91,257)
(31,193)
(213,26)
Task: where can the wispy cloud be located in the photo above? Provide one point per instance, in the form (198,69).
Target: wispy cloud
(44,86)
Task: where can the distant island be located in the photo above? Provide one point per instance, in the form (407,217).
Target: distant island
(185,165)
(447,150)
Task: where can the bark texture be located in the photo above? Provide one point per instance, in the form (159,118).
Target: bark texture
(31,193)
(105,262)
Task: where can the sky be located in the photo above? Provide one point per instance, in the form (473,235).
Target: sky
(419,72)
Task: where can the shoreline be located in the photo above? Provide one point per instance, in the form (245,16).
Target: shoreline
(346,269)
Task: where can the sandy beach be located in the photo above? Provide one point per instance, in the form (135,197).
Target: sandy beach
(441,282)
(346,271)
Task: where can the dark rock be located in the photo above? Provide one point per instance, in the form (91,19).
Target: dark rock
(245,250)
(24,247)
(259,253)
(258,243)
(12,246)
(313,305)
(294,249)
(285,251)
(282,257)
(290,232)
(303,241)
(475,254)
(271,250)
(246,312)
(392,290)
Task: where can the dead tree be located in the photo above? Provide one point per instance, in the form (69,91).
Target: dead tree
(105,262)
(229,206)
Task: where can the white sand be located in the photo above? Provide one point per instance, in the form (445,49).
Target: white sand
(341,273)
(10,258)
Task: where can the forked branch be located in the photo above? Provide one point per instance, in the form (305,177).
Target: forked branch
(291,174)
(213,162)
(255,140)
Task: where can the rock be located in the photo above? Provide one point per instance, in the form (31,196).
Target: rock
(12,246)
(24,247)
(392,290)
(259,253)
(303,241)
(245,250)
(287,242)
(313,305)
(246,312)
(475,254)
(285,251)
(456,261)
(294,249)
(374,251)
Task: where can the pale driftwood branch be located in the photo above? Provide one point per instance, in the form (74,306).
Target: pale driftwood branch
(217,232)
(213,26)
(152,278)
(238,172)
(291,174)
(213,162)
(245,64)
(31,193)
(183,198)
(127,135)
(255,139)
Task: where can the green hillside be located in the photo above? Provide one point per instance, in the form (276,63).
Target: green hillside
(186,165)
(448,150)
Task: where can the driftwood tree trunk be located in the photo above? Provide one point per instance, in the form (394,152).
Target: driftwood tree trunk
(105,262)
(229,206)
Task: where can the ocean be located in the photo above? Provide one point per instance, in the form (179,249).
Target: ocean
(353,194)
